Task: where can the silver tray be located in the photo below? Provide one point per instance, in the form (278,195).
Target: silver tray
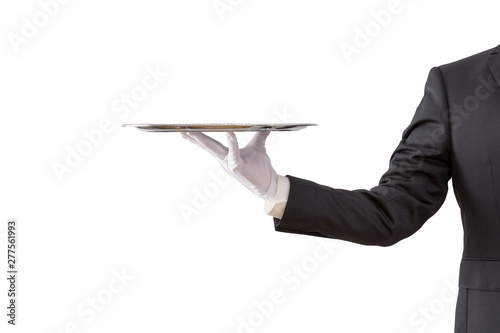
(226,127)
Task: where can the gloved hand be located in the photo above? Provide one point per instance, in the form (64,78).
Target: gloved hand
(250,165)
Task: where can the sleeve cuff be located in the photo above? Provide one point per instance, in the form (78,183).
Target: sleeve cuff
(277,207)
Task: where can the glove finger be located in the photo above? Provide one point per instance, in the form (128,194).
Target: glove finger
(186,136)
(190,139)
(193,140)
(259,139)
(234,151)
(211,145)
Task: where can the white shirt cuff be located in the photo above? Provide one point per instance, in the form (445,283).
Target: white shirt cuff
(277,207)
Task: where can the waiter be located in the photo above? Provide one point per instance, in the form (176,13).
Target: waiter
(455,133)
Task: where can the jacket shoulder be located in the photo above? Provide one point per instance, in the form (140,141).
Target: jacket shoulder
(468,67)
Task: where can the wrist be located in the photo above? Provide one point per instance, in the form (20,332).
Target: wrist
(273,186)
(276,207)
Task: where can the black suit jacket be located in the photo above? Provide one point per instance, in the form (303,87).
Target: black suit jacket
(455,133)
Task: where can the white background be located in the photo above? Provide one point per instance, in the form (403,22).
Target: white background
(119,209)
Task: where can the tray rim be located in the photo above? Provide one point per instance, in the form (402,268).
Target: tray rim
(218,127)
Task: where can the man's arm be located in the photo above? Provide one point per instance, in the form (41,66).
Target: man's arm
(410,191)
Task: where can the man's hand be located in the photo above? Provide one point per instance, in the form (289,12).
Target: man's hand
(250,165)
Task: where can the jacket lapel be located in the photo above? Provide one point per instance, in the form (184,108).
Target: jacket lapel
(494,63)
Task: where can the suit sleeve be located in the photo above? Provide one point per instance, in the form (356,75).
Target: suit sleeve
(412,189)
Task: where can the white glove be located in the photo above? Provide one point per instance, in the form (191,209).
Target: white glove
(250,165)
